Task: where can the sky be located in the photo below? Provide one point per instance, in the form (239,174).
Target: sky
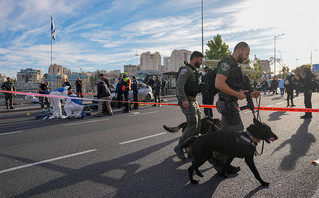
(108,34)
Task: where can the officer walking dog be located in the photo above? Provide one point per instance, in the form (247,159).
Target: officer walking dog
(187,87)
(230,143)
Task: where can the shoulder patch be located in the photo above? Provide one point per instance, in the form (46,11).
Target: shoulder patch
(183,71)
(224,66)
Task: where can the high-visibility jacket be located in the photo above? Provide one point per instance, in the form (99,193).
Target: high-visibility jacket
(126,84)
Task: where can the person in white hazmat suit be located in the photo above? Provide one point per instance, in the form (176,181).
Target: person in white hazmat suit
(55,101)
(74,105)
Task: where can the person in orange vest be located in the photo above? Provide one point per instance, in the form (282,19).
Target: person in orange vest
(126,87)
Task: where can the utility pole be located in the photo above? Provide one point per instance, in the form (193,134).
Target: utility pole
(275,37)
(202,27)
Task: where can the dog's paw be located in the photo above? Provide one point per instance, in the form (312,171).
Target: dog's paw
(194,181)
(265,183)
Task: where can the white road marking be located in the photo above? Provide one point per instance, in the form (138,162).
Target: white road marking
(9,133)
(144,113)
(280,103)
(46,161)
(270,106)
(130,141)
(75,123)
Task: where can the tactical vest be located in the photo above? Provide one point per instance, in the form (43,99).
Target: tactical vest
(191,87)
(235,79)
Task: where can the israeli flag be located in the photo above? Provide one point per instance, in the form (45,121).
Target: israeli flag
(52,29)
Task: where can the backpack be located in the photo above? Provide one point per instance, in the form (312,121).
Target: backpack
(209,81)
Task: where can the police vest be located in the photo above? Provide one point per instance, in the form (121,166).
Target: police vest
(235,79)
(191,87)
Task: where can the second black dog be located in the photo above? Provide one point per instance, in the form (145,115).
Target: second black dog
(232,144)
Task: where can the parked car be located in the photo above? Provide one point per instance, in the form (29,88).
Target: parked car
(145,94)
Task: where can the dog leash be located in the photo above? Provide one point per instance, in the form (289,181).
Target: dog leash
(259,118)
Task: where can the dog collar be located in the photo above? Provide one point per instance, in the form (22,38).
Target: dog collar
(254,140)
(250,139)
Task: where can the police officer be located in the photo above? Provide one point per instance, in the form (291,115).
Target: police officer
(229,82)
(126,87)
(308,84)
(135,92)
(209,91)
(43,89)
(157,91)
(289,85)
(8,86)
(187,86)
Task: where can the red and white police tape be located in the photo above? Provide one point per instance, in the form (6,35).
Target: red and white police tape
(203,106)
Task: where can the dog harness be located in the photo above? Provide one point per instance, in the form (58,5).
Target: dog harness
(250,139)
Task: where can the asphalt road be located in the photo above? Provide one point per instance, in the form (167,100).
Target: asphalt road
(131,155)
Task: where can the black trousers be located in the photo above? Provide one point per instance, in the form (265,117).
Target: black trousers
(135,99)
(120,100)
(126,104)
(290,96)
(9,99)
(307,97)
(208,100)
(42,99)
(79,91)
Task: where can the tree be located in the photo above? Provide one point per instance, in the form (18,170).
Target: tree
(217,49)
(256,63)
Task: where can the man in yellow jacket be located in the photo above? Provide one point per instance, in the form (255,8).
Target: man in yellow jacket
(126,87)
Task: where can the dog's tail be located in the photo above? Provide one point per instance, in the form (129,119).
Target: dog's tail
(173,129)
(188,142)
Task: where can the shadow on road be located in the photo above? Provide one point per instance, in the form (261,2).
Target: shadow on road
(276,115)
(165,178)
(299,146)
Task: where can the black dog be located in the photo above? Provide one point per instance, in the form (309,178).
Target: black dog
(207,125)
(232,144)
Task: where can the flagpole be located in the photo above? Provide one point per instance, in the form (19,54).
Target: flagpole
(51,50)
(51,37)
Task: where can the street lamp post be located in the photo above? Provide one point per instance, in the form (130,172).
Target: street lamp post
(311,58)
(275,37)
(202,27)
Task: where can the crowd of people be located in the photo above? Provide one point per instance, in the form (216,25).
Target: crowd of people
(74,105)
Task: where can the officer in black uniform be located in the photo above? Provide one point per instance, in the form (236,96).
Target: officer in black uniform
(187,87)
(135,91)
(230,81)
(43,89)
(308,85)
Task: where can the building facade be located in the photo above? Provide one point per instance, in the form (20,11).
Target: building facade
(177,59)
(166,63)
(28,80)
(130,69)
(150,61)
(55,69)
